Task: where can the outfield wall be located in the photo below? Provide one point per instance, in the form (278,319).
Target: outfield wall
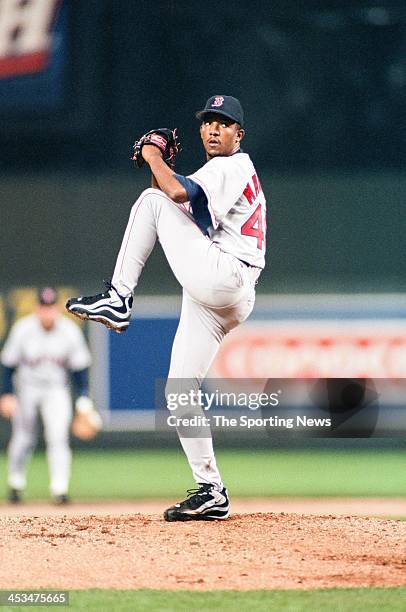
(297,340)
(331,233)
(287,338)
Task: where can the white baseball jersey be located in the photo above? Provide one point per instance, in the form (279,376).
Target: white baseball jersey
(237,206)
(44,357)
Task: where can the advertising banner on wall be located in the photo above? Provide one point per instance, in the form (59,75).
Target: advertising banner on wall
(292,344)
(314,349)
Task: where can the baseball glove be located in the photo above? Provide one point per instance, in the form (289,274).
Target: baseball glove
(165,139)
(86,422)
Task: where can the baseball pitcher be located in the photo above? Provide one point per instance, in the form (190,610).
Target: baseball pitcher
(40,353)
(211,225)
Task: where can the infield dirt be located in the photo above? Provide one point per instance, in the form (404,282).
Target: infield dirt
(259,550)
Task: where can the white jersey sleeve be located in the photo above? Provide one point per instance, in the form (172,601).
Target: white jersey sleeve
(12,349)
(223,180)
(237,206)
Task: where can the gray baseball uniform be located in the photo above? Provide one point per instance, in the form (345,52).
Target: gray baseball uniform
(42,360)
(217,270)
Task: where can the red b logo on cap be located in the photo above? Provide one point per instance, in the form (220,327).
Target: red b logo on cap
(218,101)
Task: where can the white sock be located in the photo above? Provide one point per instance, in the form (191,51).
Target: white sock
(200,455)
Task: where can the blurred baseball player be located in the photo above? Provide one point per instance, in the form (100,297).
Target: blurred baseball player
(40,351)
(211,226)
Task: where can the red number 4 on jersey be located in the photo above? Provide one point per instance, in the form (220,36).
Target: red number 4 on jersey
(255,226)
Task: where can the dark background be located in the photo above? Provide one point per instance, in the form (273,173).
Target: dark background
(323,85)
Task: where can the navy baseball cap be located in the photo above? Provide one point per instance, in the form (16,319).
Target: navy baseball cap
(47,296)
(227,106)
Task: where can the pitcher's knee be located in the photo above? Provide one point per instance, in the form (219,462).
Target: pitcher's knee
(147,197)
(152,191)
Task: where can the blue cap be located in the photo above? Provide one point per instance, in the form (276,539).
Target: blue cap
(227,106)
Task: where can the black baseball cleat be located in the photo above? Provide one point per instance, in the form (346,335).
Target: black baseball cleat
(109,308)
(61,500)
(203,504)
(14,496)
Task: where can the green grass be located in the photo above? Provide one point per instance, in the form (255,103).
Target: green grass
(341,600)
(183,601)
(144,473)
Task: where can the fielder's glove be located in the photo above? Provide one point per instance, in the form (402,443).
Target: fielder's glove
(165,139)
(87,421)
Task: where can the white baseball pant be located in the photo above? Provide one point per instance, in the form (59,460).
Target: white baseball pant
(55,407)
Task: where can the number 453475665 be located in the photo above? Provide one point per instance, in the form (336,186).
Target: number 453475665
(255,226)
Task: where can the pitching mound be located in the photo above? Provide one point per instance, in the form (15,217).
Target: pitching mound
(250,551)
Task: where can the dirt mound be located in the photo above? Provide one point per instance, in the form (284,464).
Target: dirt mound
(250,551)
